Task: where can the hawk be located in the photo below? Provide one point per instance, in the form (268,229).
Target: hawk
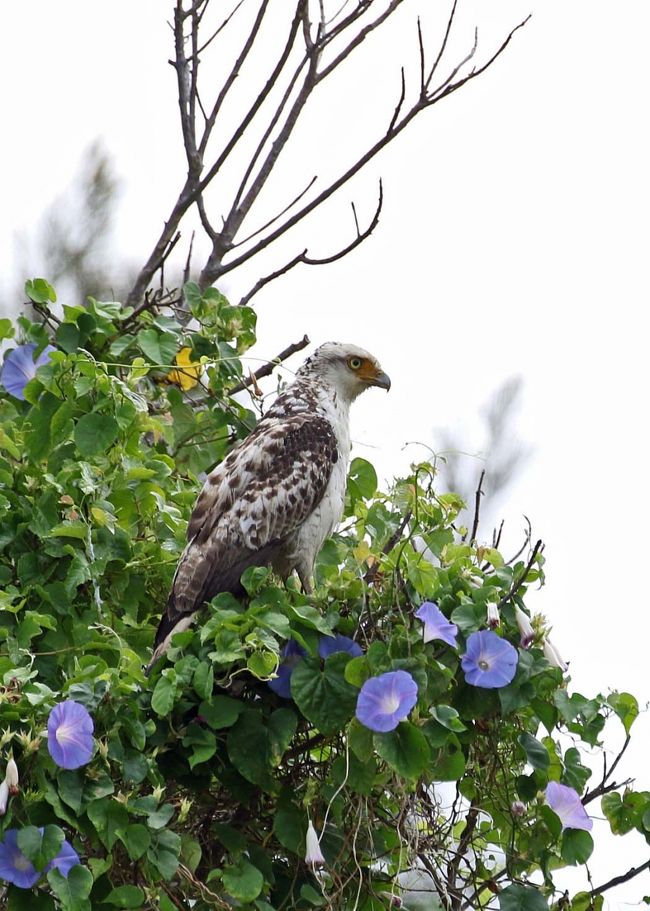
(279,493)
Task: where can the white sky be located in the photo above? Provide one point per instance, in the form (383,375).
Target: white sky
(513,241)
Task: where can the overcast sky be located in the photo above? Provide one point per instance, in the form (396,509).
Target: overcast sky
(513,242)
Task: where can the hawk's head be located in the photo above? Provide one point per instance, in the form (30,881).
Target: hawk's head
(348,368)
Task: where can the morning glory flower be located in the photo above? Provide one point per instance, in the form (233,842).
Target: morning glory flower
(436,625)
(526,630)
(4,797)
(553,657)
(70,734)
(328,645)
(19,368)
(292,653)
(565,803)
(17,869)
(386,700)
(313,853)
(489,661)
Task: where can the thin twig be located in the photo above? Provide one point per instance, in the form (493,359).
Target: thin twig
(623,878)
(477,507)
(270,366)
(522,577)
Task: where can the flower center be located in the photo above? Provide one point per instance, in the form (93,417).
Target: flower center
(64,734)
(390,703)
(21,863)
(483,664)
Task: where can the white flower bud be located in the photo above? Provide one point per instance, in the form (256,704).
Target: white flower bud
(553,656)
(493,616)
(11,776)
(313,854)
(4,797)
(525,628)
(517,808)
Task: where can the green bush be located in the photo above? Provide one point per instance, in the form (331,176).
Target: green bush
(203,780)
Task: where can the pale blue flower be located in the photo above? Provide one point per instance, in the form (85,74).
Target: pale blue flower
(20,367)
(489,661)
(436,625)
(70,734)
(565,803)
(386,700)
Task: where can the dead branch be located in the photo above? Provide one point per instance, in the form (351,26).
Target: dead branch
(270,366)
(298,70)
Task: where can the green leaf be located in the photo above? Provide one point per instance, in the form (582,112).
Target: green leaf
(73,890)
(162,700)
(95,433)
(323,695)
(248,749)
(203,680)
(405,749)
(125,897)
(577,846)
(282,727)
(575,774)
(6,329)
(448,717)
(362,480)
(522,898)
(626,707)
(242,880)
(625,813)
(136,839)
(202,742)
(108,816)
(449,764)
(40,849)
(28,900)
(40,291)
(536,752)
(221,711)
(159,347)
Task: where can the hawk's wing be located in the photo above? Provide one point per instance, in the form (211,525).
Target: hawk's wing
(263,490)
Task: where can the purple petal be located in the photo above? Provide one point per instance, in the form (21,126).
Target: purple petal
(328,645)
(489,661)
(566,803)
(386,700)
(292,654)
(65,860)
(19,368)
(70,734)
(436,625)
(14,866)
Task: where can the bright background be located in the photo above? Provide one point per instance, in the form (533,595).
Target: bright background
(512,242)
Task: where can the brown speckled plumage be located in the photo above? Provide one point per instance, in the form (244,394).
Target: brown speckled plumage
(278,494)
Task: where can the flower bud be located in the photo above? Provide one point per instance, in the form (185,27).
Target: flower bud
(493,616)
(11,777)
(4,797)
(313,853)
(525,628)
(517,808)
(553,656)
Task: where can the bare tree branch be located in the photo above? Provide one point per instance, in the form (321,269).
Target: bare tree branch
(270,366)
(300,71)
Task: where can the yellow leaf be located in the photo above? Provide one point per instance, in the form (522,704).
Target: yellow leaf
(188,376)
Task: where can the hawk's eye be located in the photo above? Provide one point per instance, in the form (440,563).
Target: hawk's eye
(354,363)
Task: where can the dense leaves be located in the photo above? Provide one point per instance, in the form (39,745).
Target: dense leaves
(195,787)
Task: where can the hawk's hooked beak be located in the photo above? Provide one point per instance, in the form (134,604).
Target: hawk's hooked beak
(382,380)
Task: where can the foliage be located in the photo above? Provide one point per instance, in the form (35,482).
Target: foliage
(203,780)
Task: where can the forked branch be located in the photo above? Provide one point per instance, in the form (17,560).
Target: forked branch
(314,47)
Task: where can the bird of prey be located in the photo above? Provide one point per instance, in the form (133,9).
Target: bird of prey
(279,493)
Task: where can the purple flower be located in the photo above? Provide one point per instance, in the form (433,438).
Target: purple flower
(17,869)
(489,661)
(565,803)
(436,625)
(19,368)
(292,653)
(386,700)
(328,645)
(70,734)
